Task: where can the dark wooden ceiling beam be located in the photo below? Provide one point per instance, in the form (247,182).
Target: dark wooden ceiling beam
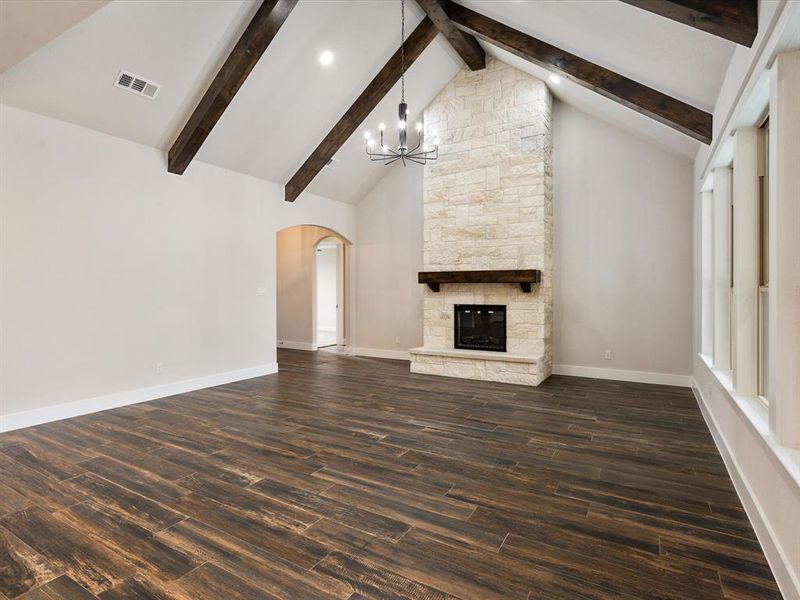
(464,44)
(672,112)
(364,104)
(734,20)
(263,28)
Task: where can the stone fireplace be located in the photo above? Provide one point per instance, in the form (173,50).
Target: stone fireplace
(488,207)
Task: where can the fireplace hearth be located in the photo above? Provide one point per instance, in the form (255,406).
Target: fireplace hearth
(480,327)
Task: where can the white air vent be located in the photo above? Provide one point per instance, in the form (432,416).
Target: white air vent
(136,85)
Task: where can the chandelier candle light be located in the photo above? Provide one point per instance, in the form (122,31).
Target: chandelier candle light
(422,152)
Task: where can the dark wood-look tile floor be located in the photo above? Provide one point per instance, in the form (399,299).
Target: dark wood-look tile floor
(350,478)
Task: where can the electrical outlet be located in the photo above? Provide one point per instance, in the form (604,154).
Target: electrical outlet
(607,355)
(159,367)
(397,341)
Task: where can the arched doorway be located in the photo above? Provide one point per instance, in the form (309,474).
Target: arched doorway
(313,288)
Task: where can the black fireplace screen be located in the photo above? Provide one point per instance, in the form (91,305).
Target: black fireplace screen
(480,327)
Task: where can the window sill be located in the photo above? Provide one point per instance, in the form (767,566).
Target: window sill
(757,415)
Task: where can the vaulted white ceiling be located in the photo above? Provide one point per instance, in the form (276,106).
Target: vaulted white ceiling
(26,26)
(680,61)
(286,107)
(290,102)
(683,62)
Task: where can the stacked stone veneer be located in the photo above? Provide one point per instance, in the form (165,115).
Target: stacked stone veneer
(488,205)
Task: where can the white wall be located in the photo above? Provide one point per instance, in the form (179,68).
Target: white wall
(110,265)
(623,250)
(388,258)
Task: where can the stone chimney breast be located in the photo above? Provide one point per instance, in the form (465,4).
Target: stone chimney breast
(488,204)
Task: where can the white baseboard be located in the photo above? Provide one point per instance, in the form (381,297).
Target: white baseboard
(778,562)
(296,345)
(77,408)
(380,353)
(623,375)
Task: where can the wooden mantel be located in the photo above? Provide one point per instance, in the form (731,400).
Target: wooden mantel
(524,277)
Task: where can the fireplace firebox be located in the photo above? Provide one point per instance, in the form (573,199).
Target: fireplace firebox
(480,327)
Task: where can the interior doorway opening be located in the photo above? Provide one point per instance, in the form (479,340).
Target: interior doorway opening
(313,289)
(329,292)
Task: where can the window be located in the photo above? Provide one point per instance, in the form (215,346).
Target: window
(707,345)
(731,295)
(763,279)
(721,236)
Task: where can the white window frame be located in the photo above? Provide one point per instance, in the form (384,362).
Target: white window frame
(763,243)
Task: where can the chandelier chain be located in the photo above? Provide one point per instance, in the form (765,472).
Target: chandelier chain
(421,153)
(402,50)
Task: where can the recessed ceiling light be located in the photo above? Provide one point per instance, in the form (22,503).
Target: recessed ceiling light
(326,58)
(555,79)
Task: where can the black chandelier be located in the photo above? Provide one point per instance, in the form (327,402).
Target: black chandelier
(422,152)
